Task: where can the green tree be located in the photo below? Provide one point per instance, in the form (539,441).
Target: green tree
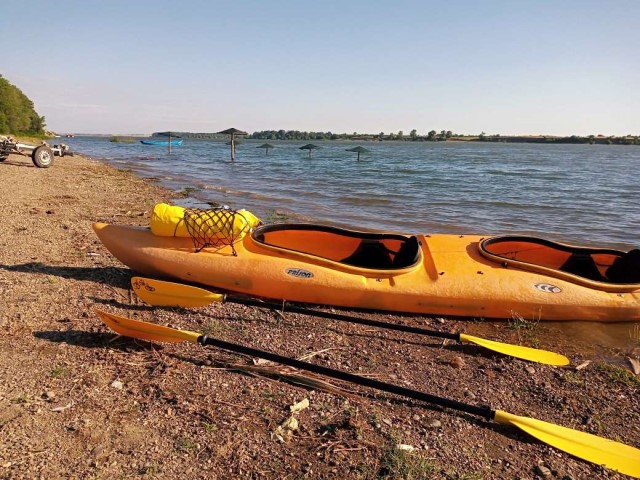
(17,114)
(413,134)
(431,136)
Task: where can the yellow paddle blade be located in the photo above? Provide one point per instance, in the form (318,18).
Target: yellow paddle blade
(169,294)
(145,330)
(601,451)
(526,353)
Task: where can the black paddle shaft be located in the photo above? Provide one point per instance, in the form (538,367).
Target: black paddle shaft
(345,318)
(482,411)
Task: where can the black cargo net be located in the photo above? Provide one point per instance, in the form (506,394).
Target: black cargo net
(217,227)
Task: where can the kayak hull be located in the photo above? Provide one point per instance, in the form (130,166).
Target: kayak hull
(162,143)
(450,278)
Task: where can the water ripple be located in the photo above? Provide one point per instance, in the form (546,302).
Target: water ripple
(583,193)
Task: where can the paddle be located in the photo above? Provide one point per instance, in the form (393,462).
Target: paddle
(614,455)
(169,294)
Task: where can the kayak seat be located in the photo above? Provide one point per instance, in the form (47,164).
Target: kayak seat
(625,268)
(583,265)
(373,254)
(408,254)
(370,254)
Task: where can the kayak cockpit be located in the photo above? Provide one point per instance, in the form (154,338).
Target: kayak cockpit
(375,251)
(601,268)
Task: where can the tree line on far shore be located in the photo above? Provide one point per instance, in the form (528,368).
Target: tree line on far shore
(18,117)
(431,136)
(298,135)
(17,114)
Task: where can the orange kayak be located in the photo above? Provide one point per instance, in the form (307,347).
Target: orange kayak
(444,275)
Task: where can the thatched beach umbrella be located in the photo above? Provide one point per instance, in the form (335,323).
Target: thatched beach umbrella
(311,147)
(359,150)
(169,134)
(266,147)
(233,132)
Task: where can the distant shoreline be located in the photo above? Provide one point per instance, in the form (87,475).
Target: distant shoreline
(294,135)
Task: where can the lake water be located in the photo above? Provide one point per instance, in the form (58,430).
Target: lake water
(583,194)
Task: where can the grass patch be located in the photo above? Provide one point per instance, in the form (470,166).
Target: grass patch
(188,191)
(213,329)
(209,427)
(527,330)
(619,374)
(33,139)
(150,469)
(122,140)
(573,378)
(634,335)
(20,400)
(57,372)
(465,476)
(397,464)
(276,216)
(518,322)
(185,444)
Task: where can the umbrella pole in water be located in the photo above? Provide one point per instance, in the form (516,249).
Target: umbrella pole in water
(232,132)
(311,147)
(358,150)
(266,147)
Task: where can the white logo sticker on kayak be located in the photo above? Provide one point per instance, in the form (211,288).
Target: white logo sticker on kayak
(299,272)
(547,288)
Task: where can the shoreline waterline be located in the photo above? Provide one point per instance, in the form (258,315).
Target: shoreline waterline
(603,338)
(572,193)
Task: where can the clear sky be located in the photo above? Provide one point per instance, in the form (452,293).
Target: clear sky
(558,67)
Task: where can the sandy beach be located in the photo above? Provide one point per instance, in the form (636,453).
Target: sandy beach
(77,401)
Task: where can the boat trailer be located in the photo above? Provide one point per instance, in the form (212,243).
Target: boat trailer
(41,155)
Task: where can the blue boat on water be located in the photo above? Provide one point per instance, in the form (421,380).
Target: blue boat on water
(163,143)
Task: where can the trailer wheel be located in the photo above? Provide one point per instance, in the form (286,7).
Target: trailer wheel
(42,156)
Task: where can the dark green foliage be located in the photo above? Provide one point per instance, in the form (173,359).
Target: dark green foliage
(123,140)
(591,139)
(17,115)
(432,136)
